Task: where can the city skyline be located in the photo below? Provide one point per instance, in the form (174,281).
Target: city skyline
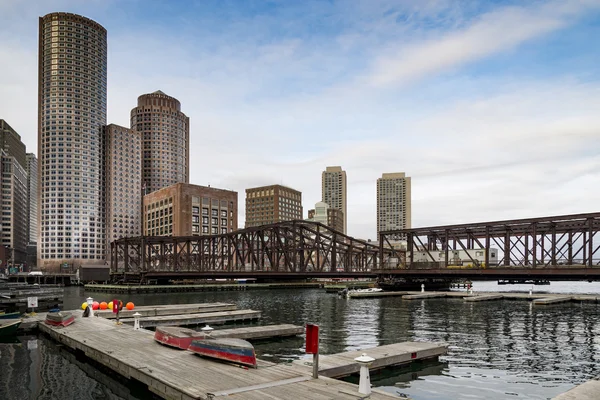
(490,126)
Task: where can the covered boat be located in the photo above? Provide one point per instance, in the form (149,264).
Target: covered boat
(176,337)
(238,351)
(9,328)
(12,315)
(60,318)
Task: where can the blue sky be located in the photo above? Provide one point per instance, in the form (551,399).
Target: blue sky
(491,106)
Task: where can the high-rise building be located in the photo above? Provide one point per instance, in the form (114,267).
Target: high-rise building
(10,142)
(165,136)
(270,204)
(327,216)
(32,194)
(71,113)
(123,174)
(14,209)
(393,202)
(190,210)
(333,191)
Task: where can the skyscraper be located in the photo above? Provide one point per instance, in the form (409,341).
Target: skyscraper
(10,142)
(32,197)
(165,135)
(333,185)
(14,208)
(123,176)
(71,112)
(393,202)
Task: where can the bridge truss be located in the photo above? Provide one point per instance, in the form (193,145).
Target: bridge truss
(293,248)
(549,242)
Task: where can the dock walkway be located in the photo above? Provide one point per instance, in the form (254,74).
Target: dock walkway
(182,375)
(221,317)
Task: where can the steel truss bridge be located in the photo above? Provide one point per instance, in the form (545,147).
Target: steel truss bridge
(549,248)
(558,248)
(286,250)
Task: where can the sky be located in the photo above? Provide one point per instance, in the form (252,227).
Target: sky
(492,107)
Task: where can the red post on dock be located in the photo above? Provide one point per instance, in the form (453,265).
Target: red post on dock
(312,346)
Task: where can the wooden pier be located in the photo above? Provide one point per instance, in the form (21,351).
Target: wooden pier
(484,297)
(221,317)
(174,374)
(589,390)
(207,287)
(364,295)
(343,364)
(259,332)
(424,295)
(172,309)
(552,300)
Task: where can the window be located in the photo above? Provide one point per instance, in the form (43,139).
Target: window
(224,221)
(215,221)
(195,219)
(215,213)
(223,213)
(195,210)
(195,228)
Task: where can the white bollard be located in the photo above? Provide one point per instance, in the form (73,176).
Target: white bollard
(207,330)
(90,302)
(364,385)
(136,323)
(531,291)
(422,287)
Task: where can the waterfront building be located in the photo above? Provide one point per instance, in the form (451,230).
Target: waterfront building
(271,204)
(184,209)
(10,142)
(123,173)
(327,216)
(32,208)
(14,209)
(393,202)
(333,191)
(165,136)
(71,113)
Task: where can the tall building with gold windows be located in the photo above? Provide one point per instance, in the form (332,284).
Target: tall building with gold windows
(393,202)
(165,136)
(71,112)
(123,174)
(270,204)
(334,191)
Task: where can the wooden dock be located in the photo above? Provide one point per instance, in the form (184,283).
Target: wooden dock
(259,332)
(173,309)
(206,287)
(552,300)
(343,364)
(589,390)
(425,295)
(484,297)
(363,295)
(220,317)
(174,374)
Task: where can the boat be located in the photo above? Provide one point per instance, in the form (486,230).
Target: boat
(369,290)
(175,336)
(237,351)
(9,328)
(60,318)
(12,315)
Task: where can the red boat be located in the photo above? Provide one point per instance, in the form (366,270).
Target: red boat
(176,337)
(237,351)
(60,318)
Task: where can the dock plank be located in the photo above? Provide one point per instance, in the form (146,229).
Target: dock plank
(259,332)
(173,309)
(552,300)
(487,297)
(362,295)
(429,295)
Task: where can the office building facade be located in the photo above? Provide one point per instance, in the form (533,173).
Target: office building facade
(165,134)
(71,113)
(14,210)
(327,216)
(334,191)
(393,202)
(32,200)
(10,142)
(190,210)
(123,174)
(271,204)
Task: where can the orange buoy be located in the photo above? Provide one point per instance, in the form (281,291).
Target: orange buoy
(84,305)
(103,305)
(130,306)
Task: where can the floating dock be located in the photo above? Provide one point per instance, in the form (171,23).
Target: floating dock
(173,309)
(221,317)
(207,287)
(363,295)
(173,374)
(552,300)
(424,295)
(484,297)
(343,364)
(589,390)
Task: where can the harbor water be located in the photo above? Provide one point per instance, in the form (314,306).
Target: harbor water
(498,349)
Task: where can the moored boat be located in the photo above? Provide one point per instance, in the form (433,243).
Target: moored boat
(175,336)
(9,328)
(238,351)
(60,318)
(12,315)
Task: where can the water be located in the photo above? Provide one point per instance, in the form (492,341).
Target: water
(498,349)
